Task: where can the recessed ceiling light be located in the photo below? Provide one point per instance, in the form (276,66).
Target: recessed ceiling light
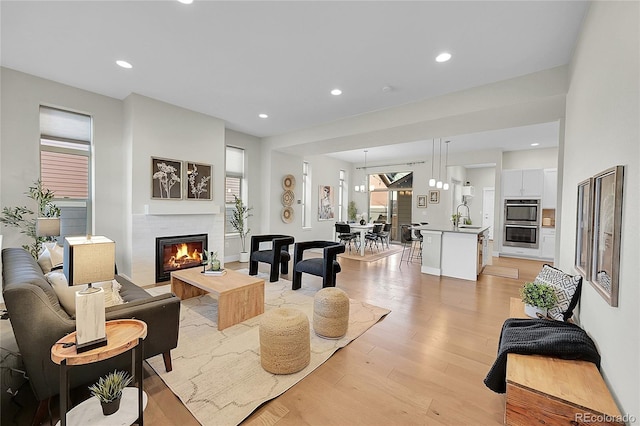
(263,115)
(443,57)
(124,64)
(186,1)
(336,92)
(535,144)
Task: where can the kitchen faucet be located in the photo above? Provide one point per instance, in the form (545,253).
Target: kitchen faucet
(468,215)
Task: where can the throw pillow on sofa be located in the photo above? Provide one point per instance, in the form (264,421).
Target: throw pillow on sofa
(50,257)
(67,294)
(567,288)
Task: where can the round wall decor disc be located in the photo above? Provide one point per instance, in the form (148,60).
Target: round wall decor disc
(289,182)
(287,198)
(287,215)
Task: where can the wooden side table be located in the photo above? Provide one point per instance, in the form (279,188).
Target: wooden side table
(122,336)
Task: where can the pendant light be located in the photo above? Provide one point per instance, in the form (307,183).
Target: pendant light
(364,186)
(432,181)
(439,182)
(445,186)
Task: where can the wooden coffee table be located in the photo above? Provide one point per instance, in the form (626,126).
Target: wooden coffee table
(240,296)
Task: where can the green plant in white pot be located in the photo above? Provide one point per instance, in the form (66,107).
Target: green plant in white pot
(108,390)
(537,298)
(238,221)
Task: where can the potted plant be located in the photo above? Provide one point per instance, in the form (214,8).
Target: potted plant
(538,298)
(239,223)
(352,211)
(108,390)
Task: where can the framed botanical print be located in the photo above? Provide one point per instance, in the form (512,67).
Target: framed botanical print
(166,179)
(198,181)
(422,201)
(606,234)
(434,197)
(584,221)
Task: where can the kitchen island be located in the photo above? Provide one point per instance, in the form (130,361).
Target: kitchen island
(460,252)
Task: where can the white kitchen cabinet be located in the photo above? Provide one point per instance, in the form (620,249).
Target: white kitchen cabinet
(550,192)
(522,183)
(547,243)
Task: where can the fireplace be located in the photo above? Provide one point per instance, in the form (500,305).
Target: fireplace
(178,252)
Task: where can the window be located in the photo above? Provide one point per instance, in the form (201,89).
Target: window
(65,158)
(306,195)
(341,190)
(234,183)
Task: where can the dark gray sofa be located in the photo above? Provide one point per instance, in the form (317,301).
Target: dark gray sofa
(38,321)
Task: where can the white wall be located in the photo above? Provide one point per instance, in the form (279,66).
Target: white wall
(480,178)
(22,95)
(158,129)
(546,158)
(602,131)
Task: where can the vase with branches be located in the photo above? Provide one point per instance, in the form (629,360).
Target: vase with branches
(238,221)
(24,218)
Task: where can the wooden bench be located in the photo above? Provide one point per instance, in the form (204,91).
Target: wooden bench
(553,391)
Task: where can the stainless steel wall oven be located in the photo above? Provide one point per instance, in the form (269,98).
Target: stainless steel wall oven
(522,223)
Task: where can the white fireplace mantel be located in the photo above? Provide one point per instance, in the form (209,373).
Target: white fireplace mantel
(159,208)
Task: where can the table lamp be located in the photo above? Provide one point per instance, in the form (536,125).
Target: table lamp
(88,260)
(47,226)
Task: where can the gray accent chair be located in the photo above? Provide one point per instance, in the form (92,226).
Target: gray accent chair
(326,266)
(38,321)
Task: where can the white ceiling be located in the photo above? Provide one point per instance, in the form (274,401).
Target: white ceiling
(236,59)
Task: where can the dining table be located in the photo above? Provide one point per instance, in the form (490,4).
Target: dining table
(363,230)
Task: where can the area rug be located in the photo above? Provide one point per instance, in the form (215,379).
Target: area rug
(217,374)
(369,256)
(501,271)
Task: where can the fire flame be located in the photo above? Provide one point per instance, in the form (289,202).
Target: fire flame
(183,256)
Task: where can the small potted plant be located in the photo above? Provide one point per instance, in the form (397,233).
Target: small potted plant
(108,390)
(538,298)
(239,223)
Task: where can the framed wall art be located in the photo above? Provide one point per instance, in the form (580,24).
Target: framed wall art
(422,201)
(325,203)
(166,179)
(584,224)
(198,181)
(605,239)
(434,197)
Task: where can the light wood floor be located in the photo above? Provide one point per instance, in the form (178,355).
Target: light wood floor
(422,364)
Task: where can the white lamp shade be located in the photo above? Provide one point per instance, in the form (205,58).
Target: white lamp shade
(445,186)
(89,260)
(357,188)
(47,226)
(439,184)
(432,182)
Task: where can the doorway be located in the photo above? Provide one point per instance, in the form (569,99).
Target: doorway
(390,200)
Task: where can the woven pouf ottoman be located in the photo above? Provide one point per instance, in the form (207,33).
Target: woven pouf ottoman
(331,313)
(285,345)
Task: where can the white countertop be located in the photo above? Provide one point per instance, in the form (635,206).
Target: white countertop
(459,230)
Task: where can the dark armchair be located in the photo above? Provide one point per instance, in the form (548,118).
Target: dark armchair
(277,255)
(326,266)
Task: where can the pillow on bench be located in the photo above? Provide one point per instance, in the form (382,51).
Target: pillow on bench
(567,288)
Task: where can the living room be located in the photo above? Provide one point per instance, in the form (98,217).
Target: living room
(594,101)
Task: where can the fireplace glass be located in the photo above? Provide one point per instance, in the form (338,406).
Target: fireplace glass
(178,252)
